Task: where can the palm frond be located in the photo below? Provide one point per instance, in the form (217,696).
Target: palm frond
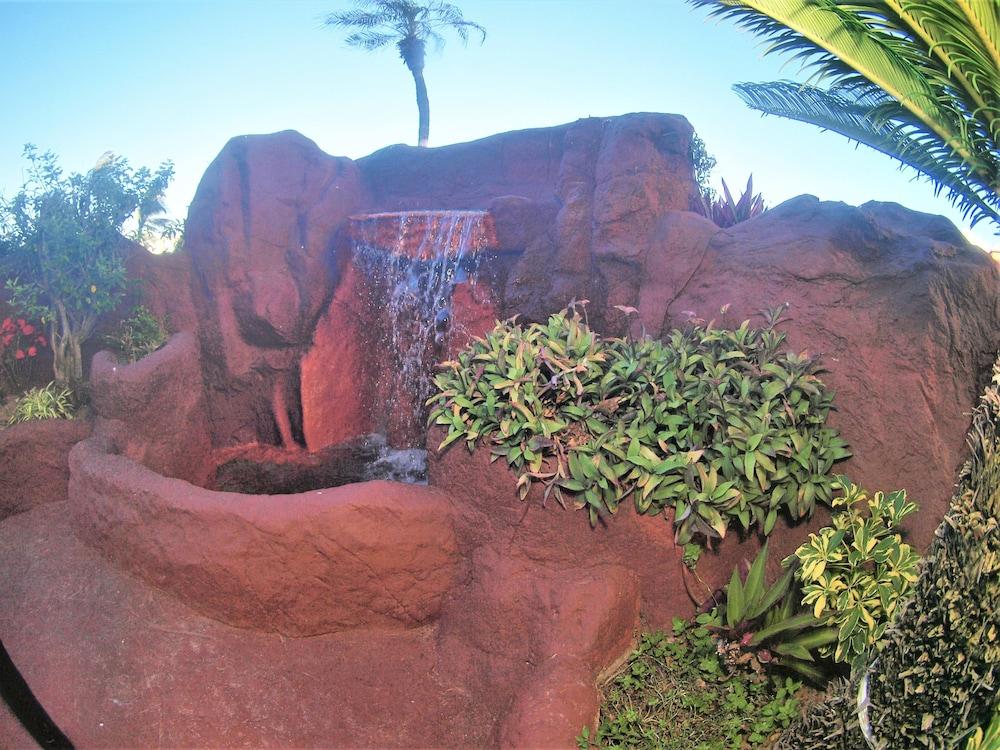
(929,70)
(850,113)
(369,40)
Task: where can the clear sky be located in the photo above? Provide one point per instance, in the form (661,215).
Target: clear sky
(175,80)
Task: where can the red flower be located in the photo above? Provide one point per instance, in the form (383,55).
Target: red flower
(21,322)
(7,339)
(19,354)
(41,340)
(7,324)
(27,329)
(32,351)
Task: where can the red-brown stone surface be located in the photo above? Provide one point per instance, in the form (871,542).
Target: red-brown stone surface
(424,235)
(260,233)
(34,465)
(503,614)
(904,313)
(155,408)
(372,554)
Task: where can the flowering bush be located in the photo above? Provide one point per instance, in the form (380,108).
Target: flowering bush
(20,343)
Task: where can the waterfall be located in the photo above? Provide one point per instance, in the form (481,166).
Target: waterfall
(411,262)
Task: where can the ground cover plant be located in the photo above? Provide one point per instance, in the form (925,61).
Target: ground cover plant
(720,425)
(52,401)
(677,692)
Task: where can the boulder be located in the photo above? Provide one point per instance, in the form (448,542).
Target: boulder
(34,457)
(903,312)
(155,408)
(261,238)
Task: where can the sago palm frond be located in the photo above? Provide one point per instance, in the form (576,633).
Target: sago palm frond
(916,79)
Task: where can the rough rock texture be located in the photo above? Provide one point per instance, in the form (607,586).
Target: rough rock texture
(904,313)
(155,408)
(260,234)
(34,461)
(374,554)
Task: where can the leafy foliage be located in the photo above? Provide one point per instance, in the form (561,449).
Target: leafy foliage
(726,212)
(856,572)
(765,627)
(719,425)
(938,672)
(919,81)
(676,694)
(51,402)
(20,343)
(60,246)
(140,334)
(703,163)
(829,725)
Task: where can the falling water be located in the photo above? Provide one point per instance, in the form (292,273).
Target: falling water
(412,261)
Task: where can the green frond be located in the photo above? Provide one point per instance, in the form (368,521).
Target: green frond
(854,115)
(929,70)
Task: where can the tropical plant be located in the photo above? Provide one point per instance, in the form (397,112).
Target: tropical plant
(765,626)
(60,247)
(139,334)
(21,341)
(918,80)
(987,737)
(675,693)
(856,572)
(726,212)
(54,401)
(718,424)
(409,24)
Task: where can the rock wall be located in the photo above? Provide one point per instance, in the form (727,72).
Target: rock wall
(903,310)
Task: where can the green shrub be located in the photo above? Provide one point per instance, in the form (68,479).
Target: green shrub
(855,572)
(140,334)
(765,626)
(937,676)
(51,402)
(719,425)
(677,694)
(829,725)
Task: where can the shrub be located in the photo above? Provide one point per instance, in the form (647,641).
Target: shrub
(717,424)
(855,572)
(765,627)
(20,343)
(829,725)
(675,694)
(937,676)
(140,334)
(51,402)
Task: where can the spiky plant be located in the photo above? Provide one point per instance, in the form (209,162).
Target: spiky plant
(409,24)
(918,80)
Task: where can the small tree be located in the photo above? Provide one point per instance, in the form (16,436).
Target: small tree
(61,246)
(409,24)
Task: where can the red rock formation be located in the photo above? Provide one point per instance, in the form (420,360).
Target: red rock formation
(34,461)
(512,609)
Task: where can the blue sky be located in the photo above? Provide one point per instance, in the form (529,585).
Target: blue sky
(175,80)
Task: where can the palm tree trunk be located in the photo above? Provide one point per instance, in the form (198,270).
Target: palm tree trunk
(423,106)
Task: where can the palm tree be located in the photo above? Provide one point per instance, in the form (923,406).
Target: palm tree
(918,80)
(409,24)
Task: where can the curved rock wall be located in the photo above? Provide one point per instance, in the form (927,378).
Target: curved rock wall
(374,554)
